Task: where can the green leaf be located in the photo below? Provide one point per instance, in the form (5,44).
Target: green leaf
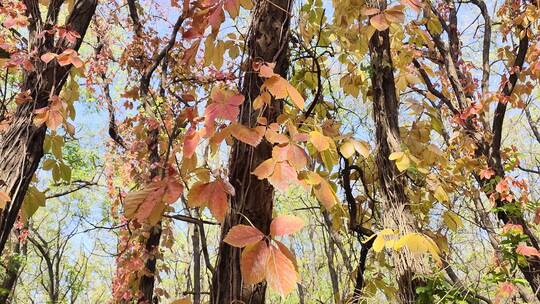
(32,201)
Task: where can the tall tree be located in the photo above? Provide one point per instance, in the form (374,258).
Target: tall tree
(267,41)
(395,204)
(21,145)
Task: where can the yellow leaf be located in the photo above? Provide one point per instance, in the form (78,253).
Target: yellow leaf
(347,149)
(378,244)
(440,194)
(452,220)
(402,160)
(418,243)
(361,147)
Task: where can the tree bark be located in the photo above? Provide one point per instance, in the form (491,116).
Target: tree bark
(267,41)
(392,183)
(21,146)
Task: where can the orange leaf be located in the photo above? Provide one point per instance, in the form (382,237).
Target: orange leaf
(146,204)
(297,156)
(288,253)
(324,193)
(47,57)
(368,11)
(416,5)
(232,7)
(284,176)
(277,86)
(379,22)
(280,273)
(253,262)
(191,140)
(4,198)
(250,136)
(527,250)
(267,70)
(296,98)
(243,235)
(395,14)
(265,169)
(213,195)
(319,141)
(285,225)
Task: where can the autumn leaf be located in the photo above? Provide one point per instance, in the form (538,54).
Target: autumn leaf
(380,240)
(191,140)
(69,56)
(243,235)
(280,272)
(379,22)
(266,70)
(325,194)
(185,300)
(148,204)
(402,160)
(416,5)
(527,250)
(452,220)
(277,86)
(285,225)
(4,199)
(394,14)
(440,194)
(319,141)
(250,136)
(418,243)
(232,7)
(296,156)
(284,176)
(213,195)
(486,173)
(265,169)
(253,262)
(295,96)
(48,57)
(225,105)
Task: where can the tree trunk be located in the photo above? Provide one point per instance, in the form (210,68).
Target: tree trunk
(395,203)
(21,146)
(267,41)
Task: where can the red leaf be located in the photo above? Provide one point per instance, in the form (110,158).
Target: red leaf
(285,225)
(243,235)
(253,262)
(280,273)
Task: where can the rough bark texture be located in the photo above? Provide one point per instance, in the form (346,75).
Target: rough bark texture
(21,146)
(267,41)
(395,202)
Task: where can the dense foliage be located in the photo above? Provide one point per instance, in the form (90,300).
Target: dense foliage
(269,151)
